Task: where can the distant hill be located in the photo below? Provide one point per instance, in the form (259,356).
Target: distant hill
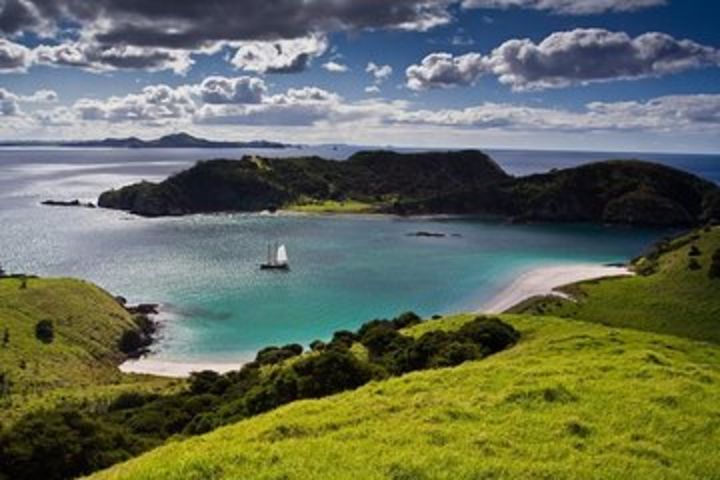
(177,140)
(457,182)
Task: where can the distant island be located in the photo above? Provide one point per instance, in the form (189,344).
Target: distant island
(464,182)
(176,140)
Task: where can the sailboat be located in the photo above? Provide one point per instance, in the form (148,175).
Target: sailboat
(277,258)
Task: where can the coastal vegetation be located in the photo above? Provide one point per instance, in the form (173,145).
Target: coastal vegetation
(666,296)
(66,442)
(458,182)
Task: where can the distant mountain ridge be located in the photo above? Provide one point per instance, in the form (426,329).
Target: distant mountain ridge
(456,182)
(175,140)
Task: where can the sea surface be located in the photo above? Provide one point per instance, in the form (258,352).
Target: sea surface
(345,270)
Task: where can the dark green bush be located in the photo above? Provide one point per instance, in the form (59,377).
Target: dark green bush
(693,264)
(330,372)
(45,331)
(128,400)
(131,341)
(694,251)
(715,265)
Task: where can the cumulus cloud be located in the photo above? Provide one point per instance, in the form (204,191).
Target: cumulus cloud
(8,104)
(155,104)
(443,70)
(570,7)
(379,72)
(96,57)
(41,96)
(691,113)
(13,56)
(224,90)
(282,56)
(335,67)
(579,56)
(196,24)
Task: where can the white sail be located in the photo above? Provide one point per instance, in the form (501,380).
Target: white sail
(281,256)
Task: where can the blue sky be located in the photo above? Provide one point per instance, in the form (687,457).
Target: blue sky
(575,74)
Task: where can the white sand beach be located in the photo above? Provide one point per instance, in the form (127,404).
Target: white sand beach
(165,368)
(540,281)
(544,281)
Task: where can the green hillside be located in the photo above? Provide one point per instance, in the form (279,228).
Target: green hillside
(87,324)
(673,292)
(571,400)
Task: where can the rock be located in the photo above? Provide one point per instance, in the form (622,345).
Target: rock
(67,203)
(427,234)
(143,309)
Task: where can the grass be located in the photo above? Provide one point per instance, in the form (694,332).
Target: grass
(674,300)
(79,366)
(571,400)
(332,206)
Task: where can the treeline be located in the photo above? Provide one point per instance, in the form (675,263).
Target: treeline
(64,443)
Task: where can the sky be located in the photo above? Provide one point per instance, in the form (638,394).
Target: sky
(614,75)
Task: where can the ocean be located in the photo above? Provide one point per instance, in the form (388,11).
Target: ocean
(345,270)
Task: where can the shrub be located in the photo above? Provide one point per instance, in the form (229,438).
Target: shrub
(128,400)
(208,381)
(715,265)
(45,331)
(342,340)
(131,341)
(491,333)
(6,337)
(275,355)
(407,319)
(317,346)
(330,372)
(694,251)
(382,340)
(693,264)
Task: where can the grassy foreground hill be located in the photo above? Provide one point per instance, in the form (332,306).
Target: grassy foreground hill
(571,400)
(673,292)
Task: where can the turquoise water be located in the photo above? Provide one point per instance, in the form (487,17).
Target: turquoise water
(204,269)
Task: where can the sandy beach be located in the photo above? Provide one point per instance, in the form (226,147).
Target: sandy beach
(544,281)
(165,368)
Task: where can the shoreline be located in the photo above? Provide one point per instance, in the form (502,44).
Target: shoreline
(545,281)
(534,282)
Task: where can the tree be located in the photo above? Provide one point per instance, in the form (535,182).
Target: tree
(45,331)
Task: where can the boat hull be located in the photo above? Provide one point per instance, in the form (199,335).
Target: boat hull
(266,266)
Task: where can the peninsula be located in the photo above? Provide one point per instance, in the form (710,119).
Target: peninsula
(455,182)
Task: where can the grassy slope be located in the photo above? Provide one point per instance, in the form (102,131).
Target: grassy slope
(571,400)
(681,301)
(331,206)
(88,323)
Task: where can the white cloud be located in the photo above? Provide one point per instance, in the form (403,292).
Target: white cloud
(41,96)
(155,104)
(443,70)
(372,89)
(335,67)
(570,7)
(281,56)
(8,104)
(580,56)
(380,73)
(99,58)
(223,90)
(13,56)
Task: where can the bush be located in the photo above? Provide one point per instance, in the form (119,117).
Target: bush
(129,400)
(330,372)
(132,342)
(491,333)
(715,265)
(694,251)
(275,355)
(45,331)
(693,264)
(208,381)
